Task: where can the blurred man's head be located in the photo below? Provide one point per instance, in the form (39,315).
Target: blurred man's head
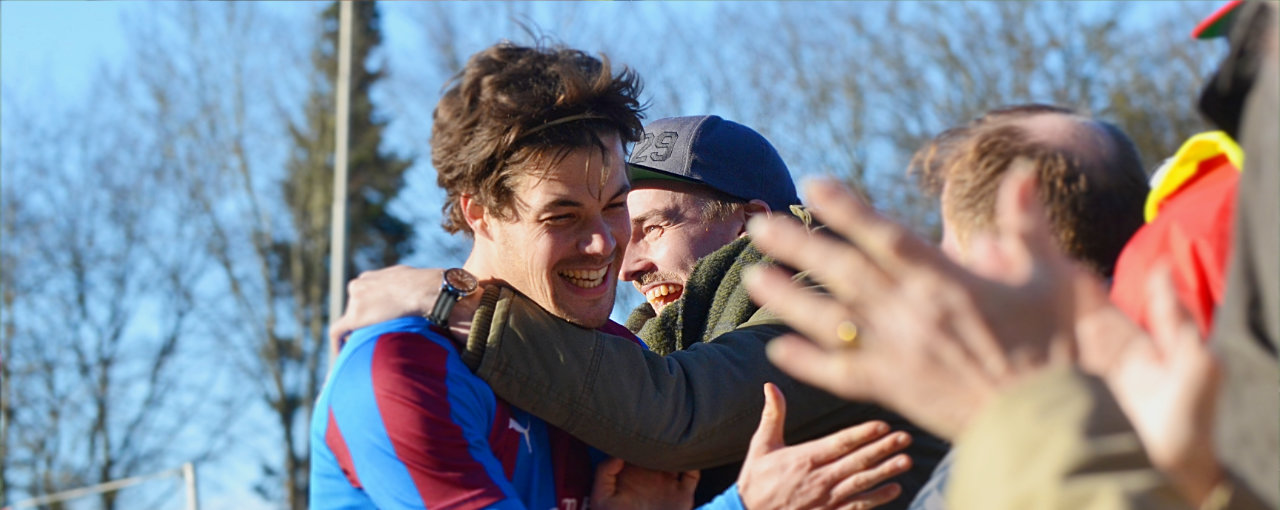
(695,182)
(1090,178)
(528,143)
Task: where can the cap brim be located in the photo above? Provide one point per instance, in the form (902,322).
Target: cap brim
(638,173)
(1217,24)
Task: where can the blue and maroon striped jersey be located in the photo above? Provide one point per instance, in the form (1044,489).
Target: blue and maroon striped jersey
(402,423)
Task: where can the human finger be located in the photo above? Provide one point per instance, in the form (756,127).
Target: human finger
(814,315)
(768,435)
(606,479)
(833,263)
(872,453)
(1170,323)
(844,443)
(844,373)
(866,477)
(338,331)
(1021,217)
(887,245)
(874,498)
(342,327)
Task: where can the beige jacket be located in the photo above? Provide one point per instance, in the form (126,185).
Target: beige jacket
(1060,441)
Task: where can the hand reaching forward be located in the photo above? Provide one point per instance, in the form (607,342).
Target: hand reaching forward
(906,326)
(847,469)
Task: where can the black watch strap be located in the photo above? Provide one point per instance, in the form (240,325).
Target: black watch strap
(456,284)
(444,305)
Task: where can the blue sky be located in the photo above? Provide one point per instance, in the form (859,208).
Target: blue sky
(52,51)
(58,43)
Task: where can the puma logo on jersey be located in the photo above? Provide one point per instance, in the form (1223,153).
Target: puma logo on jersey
(522,430)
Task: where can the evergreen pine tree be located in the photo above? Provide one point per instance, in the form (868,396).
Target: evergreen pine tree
(376,237)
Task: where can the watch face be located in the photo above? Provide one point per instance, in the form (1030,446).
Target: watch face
(461,280)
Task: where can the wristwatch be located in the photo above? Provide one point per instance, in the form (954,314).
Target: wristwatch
(457,284)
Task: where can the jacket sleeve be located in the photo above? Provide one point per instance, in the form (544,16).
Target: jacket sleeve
(693,409)
(1246,332)
(1059,440)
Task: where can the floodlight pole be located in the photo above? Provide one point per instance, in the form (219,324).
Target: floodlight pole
(338,232)
(189,479)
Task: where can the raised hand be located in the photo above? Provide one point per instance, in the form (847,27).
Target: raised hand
(847,469)
(934,341)
(1168,385)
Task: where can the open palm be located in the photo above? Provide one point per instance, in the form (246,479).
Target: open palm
(1167,383)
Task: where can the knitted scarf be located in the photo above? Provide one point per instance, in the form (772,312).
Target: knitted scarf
(714,301)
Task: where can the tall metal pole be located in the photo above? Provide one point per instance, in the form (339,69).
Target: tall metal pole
(338,233)
(189,479)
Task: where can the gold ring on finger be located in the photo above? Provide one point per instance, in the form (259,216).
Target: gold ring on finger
(847,332)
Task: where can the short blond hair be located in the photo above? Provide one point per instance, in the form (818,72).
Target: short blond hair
(1094,196)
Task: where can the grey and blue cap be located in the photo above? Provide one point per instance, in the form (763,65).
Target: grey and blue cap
(718,153)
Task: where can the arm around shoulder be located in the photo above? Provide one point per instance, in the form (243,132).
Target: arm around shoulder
(693,409)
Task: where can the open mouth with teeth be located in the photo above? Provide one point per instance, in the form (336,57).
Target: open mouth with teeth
(663,294)
(585,278)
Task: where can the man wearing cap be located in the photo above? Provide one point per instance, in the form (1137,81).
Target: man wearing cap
(692,402)
(695,182)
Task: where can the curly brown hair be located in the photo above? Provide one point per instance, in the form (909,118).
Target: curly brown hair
(514,108)
(1089,176)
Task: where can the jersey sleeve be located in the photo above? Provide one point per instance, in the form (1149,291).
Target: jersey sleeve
(730,499)
(416,425)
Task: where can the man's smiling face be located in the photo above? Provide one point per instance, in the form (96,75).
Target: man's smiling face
(670,230)
(564,246)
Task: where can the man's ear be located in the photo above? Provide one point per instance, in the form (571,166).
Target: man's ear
(750,209)
(474,213)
